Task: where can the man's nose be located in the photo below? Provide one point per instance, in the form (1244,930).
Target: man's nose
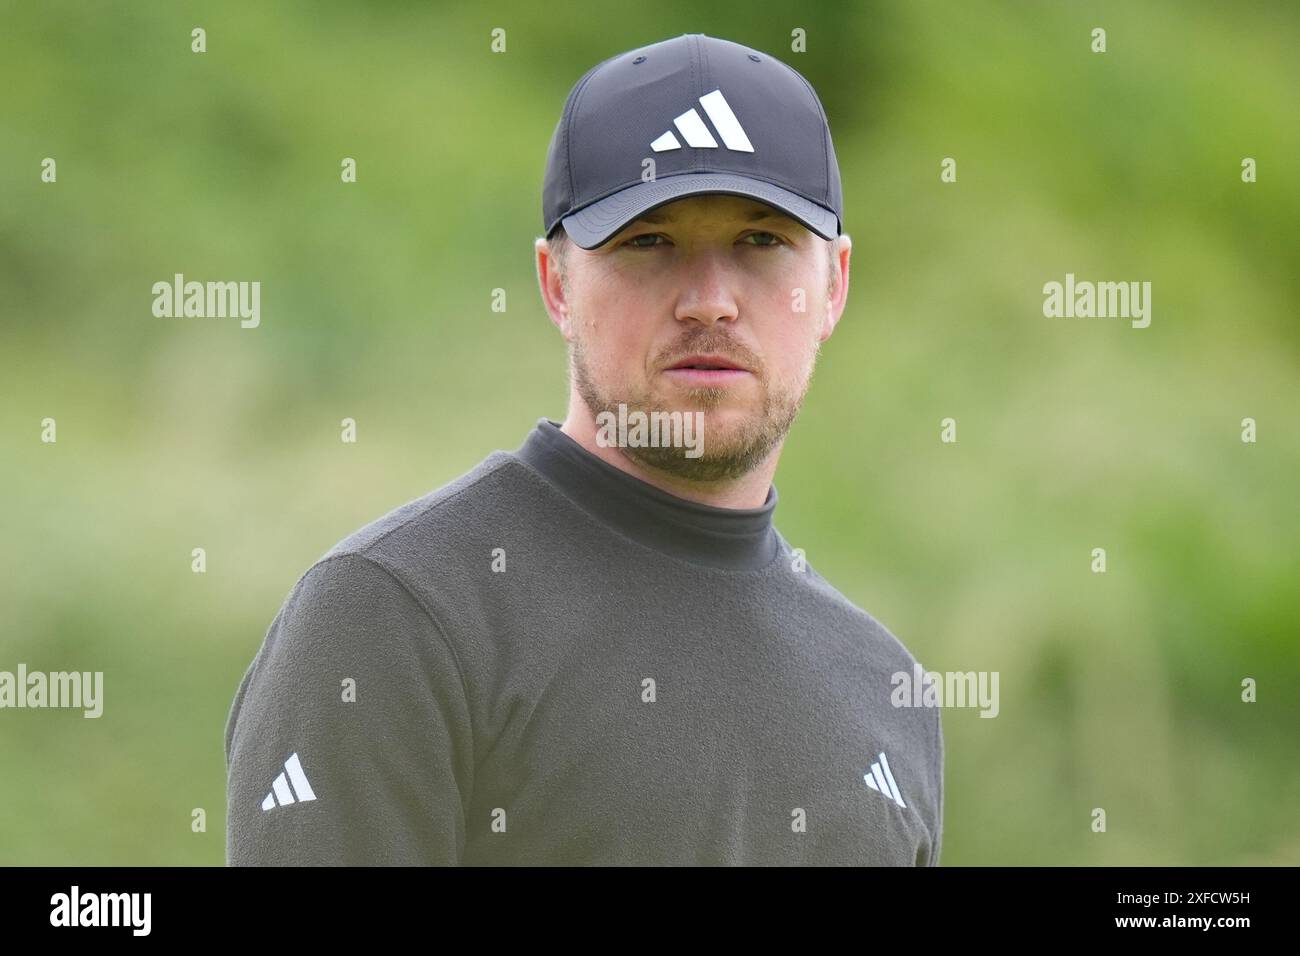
(707,290)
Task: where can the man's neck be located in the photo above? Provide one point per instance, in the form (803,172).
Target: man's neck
(748,491)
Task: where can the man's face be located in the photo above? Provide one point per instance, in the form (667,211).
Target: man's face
(707,280)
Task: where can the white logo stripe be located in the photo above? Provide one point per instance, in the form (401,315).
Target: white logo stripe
(665,142)
(281,788)
(725,122)
(692,127)
(300,784)
(880,779)
(893,787)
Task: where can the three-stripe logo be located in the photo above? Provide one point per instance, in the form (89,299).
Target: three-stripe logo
(281,795)
(881,780)
(697,134)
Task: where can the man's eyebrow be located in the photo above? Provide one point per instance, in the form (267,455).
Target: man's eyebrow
(659,218)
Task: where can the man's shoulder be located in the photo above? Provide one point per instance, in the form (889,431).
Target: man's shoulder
(837,607)
(413,532)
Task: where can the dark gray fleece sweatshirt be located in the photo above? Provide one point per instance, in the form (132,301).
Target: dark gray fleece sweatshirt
(549,661)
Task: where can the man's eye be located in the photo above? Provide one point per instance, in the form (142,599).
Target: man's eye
(636,243)
(648,235)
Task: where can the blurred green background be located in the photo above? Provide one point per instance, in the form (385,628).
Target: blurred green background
(1119,691)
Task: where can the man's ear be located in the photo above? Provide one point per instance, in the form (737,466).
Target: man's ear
(554,293)
(841,250)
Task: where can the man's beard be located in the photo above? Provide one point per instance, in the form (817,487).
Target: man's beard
(723,457)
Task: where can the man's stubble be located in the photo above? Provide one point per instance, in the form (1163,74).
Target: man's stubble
(726,455)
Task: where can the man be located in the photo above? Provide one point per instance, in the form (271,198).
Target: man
(597,649)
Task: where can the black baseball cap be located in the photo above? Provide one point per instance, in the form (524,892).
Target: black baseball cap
(714,117)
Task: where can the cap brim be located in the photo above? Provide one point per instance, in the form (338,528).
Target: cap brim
(595,224)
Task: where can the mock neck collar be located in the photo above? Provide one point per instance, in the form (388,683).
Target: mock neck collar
(737,539)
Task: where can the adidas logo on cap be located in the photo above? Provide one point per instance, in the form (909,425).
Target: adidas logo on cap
(697,134)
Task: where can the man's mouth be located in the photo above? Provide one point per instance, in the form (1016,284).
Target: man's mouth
(700,370)
(710,362)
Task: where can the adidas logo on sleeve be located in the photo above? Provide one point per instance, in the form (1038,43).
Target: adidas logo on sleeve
(281,795)
(879,778)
